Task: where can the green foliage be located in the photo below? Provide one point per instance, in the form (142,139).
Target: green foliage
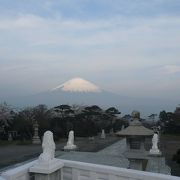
(85,121)
(112,111)
(42,115)
(6,115)
(176,157)
(163,116)
(23,126)
(170,122)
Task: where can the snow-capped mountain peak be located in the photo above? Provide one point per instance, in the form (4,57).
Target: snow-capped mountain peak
(77,85)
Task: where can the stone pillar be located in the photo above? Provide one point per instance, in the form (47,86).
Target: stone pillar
(103,135)
(49,171)
(36,139)
(47,167)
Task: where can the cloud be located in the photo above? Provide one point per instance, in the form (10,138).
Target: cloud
(120,47)
(117,43)
(23,21)
(170,69)
(126,33)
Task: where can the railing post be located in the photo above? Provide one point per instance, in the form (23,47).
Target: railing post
(51,171)
(47,167)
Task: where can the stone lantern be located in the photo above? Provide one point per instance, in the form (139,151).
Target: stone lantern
(135,133)
(36,139)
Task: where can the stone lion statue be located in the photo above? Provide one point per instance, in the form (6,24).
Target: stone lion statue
(155,141)
(70,143)
(48,147)
(70,138)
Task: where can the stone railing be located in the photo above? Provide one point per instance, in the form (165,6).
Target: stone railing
(18,173)
(74,170)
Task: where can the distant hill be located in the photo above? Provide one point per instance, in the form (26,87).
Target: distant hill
(82,92)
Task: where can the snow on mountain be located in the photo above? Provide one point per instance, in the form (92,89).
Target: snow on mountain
(77,85)
(82,92)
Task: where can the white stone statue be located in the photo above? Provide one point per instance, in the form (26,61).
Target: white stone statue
(70,143)
(48,147)
(103,135)
(155,141)
(46,164)
(70,138)
(154,150)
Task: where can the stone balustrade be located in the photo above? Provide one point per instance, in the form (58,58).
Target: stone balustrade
(18,173)
(74,170)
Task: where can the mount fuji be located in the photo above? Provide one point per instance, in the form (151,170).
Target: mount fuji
(77,85)
(82,92)
(74,91)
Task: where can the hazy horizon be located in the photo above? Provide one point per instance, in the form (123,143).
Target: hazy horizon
(78,91)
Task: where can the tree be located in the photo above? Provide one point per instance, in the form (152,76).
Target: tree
(42,115)
(112,112)
(169,122)
(163,116)
(62,119)
(63,110)
(152,119)
(92,113)
(6,115)
(90,116)
(23,123)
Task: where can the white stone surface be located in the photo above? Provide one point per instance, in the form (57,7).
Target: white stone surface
(47,168)
(70,143)
(74,170)
(48,147)
(103,135)
(18,173)
(116,149)
(155,150)
(47,163)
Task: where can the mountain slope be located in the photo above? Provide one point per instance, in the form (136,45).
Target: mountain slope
(77,85)
(82,92)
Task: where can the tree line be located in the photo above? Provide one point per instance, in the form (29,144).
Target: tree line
(170,121)
(85,121)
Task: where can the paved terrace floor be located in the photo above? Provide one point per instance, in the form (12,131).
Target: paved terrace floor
(12,154)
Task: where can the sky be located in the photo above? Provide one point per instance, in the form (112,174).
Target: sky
(129,47)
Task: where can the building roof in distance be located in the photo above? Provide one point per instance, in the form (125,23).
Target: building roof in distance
(135,129)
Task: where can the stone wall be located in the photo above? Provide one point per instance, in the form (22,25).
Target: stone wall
(74,170)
